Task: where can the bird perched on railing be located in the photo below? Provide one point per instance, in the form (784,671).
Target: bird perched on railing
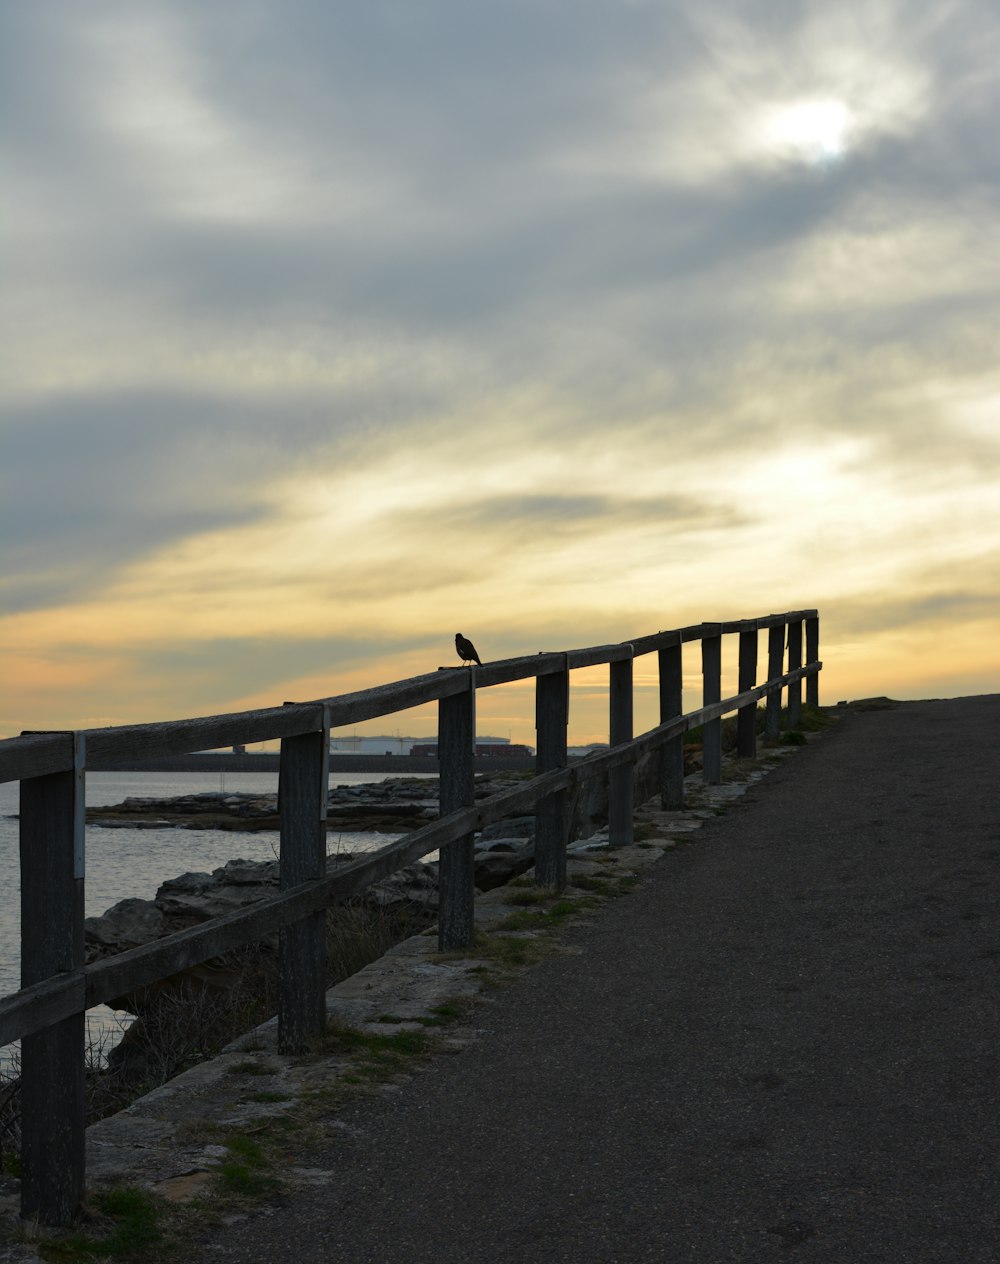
(466,650)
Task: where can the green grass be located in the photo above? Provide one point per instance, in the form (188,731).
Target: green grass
(524,919)
(527,896)
(593,882)
(245,1174)
(374,1055)
(251,1067)
(511,952)
(441,1015)
(126,1225)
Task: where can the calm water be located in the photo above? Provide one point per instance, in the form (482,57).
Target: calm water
(125,863)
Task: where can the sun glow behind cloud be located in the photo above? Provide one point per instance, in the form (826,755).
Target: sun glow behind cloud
(815,131)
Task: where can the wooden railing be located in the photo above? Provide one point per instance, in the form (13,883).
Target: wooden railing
(57,988)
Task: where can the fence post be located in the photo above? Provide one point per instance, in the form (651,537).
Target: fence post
(551,722)
(711,669)
(795,660)
(746,717)
(671,705)
(456,867)
(620,779)
(775,660)
(52,1060)
(303,783)
(812,656)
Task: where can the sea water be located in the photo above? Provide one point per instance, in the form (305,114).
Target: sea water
(132,863)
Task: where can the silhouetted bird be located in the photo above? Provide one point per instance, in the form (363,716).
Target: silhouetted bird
(466,650)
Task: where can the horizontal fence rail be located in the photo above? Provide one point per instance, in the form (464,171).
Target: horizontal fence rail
(47,1014)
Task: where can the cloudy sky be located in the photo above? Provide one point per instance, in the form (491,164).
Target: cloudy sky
(329,329)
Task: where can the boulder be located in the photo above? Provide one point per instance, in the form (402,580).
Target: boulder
(415,884)
(497,868)
(515,827)
(127,925)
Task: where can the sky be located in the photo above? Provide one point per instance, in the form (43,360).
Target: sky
(331,329)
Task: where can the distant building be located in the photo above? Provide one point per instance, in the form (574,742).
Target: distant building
(484,746)
(356,744)
(385,744)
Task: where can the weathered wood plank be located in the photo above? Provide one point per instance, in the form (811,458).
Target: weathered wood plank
(523,668)
(621,782)
(180,737)
(812,654)
(52,1060)
(31,1009)
(551,721)
(794,661)
(35,755)
(711,669)
(671,706)
(302,781)
(456,869)
(746,717)
(598,655)
(656,641)
(775,659)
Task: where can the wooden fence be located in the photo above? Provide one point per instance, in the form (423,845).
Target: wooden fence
(57,988)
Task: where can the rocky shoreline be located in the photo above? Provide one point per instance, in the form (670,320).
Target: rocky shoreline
(399,904)
(504,850)
(392,908)
(392,806)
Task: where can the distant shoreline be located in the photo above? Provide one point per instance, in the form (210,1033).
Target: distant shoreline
(265,761)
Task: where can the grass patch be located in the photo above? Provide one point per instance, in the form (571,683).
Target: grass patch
(812,720)
(269,1095)
(125,1225)
(250,1067)
(593,882)
(792,738)
(523,919)
(527,896)
(239,1181)
(374,1055)
(245,1175)
(512,952)
(441,1015)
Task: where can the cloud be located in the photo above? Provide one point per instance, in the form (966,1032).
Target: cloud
(339,325)
(90,484)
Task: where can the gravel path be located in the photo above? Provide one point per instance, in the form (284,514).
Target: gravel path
(782,1046)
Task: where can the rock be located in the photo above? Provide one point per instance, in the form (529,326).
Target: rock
(246,872)
(415,884)
(500,844)
(497,868)
(195,897)
(127,925)
(514,827)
